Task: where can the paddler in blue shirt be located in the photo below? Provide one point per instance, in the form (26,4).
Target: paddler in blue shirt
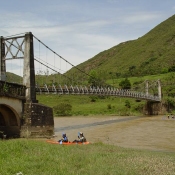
(64,138)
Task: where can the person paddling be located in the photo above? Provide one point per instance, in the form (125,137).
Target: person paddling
(64,138)
(81,138)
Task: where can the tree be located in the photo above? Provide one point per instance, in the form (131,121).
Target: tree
(125,84)
(171,69)
(94,79)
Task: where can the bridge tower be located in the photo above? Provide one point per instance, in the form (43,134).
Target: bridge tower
(2,61)
(158,88)
(33,119)
(29,69)
(154,107)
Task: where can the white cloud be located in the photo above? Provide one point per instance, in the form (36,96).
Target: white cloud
(79,31)
(141,17)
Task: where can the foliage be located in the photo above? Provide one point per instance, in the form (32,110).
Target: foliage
(125,84)
(171,69)
(132,69)
(5,87)
(82,104)
(170,103)
(94,79)
(93,98)
(109,106)
(62,109)
(139,108)
(127,104)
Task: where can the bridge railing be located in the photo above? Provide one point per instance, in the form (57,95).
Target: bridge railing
(95,91)
(12,90)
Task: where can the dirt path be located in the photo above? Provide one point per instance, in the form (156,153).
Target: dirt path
(155,133)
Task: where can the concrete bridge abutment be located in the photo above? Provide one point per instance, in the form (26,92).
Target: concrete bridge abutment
(37,121)
(154,108)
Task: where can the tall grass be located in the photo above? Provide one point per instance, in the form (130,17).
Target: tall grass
(37,157)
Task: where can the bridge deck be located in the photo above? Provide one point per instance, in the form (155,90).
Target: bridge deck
(96,91)
(18,91)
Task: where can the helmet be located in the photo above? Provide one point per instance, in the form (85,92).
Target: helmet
(81,133)
(64,134)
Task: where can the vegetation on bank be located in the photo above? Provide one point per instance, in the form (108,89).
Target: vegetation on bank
(111,105)
(65,105)
(108,105)
(38,157)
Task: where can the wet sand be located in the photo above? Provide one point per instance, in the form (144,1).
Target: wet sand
(153,133)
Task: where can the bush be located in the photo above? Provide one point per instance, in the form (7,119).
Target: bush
(127,104)
(93,98)
(63,109)
(109,106)
(125,84)
(139,107)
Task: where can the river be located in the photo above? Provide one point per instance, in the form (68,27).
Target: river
(152,133)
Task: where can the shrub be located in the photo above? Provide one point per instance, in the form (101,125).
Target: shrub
(127,104)
(63,109)
(109,106)
(139,107)
(125,84)
(170,103)
(93,98)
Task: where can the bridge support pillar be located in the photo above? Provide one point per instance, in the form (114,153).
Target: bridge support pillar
(159,90)
(2,60)
(37,121)
(154,108)
(29,69)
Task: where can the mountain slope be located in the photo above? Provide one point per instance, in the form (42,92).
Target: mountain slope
(152,53)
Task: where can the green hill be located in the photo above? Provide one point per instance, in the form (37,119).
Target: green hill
(11,77)
(150,54)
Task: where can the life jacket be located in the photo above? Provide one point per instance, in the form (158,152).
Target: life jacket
(65,139)
(82,139)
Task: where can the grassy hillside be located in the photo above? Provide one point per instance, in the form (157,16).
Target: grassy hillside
(11,77)
(150,54)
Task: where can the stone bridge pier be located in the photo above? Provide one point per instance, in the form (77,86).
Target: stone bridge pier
(154,108)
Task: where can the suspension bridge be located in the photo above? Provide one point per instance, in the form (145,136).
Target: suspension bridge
(20,112)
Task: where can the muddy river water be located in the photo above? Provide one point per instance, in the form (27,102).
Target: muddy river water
(153,133)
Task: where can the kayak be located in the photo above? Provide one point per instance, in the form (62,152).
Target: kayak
(67,143)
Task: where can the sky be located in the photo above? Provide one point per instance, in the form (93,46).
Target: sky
(78,29)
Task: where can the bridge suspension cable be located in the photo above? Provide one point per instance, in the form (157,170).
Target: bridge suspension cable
(50,68)
(61,56)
